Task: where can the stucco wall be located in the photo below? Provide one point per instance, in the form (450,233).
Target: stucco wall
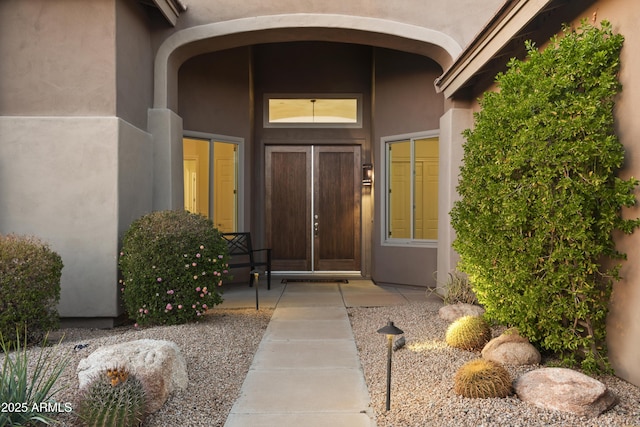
(133,63)
(624,317)
(58,181)
(58,57)
(405,102)
(469,14)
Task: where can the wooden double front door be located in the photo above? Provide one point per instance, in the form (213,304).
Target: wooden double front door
(313,207)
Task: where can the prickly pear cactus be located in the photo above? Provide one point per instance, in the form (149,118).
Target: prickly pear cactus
(468,333)
(115,398)
(482,378)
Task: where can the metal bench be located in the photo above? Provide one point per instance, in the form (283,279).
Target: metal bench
(242,254)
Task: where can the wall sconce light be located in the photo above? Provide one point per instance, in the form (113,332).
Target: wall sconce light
(367,174)
(390,330)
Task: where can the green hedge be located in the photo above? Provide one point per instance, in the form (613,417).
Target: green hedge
(540,197)
(172,264)
(29,287)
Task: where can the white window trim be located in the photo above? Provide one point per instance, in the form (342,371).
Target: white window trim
(268,96)
(384,206)
(211,137)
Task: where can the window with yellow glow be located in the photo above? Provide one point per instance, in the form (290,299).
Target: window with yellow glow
(411,188)
(210,170)
(313,111)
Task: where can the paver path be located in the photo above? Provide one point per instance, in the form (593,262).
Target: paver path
(306,371)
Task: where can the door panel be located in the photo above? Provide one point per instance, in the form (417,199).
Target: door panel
(288,207)
(337,206)
(335,241)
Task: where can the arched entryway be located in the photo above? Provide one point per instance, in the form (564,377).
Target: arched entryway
(198,89)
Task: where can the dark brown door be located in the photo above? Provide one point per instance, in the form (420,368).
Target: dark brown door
(313,207)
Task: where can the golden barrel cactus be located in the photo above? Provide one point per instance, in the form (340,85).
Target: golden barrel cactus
(468,333)
(482,378)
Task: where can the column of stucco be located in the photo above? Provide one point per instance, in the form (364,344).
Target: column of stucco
(58,181)
(168,185)
(135,174)
(452,124)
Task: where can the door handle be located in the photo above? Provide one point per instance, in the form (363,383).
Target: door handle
(315,225)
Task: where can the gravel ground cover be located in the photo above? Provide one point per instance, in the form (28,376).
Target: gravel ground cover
(422,378)
(218,352)
(220,349)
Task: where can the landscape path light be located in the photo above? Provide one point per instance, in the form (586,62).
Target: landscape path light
(390,330)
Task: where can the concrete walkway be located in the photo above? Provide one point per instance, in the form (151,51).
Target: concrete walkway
(306,371)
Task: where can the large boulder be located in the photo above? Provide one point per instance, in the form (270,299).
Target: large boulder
(511,349)
(564,390)
(453,312)
(159,365)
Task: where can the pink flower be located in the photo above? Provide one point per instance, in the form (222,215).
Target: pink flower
(179,306)
(146,311)
(159,279)
(169,307)
(220,256)
(204,306)
(194,264)
(170,292)
(201,295)
(141,310)
(193,306)
(198,289)
(135,325)
(197,255)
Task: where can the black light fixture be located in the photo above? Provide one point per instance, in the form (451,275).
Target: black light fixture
(367,174)
(390,330)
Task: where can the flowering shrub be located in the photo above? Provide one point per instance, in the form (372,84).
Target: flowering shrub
(29,287)
(172,263)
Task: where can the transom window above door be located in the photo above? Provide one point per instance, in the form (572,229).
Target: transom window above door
(313,110)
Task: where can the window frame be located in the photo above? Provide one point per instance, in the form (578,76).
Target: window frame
(337,125)
(385,143)
(240,197)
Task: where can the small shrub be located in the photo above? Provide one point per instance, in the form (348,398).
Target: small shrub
(482,378)
(172,263)
(114,398)
(29,287)
(28,390)
(468,333)
(457,289)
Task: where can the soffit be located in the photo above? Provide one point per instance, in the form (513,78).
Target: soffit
(170,9)
(503,38)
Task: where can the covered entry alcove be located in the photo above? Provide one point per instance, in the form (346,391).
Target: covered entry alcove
(299,184)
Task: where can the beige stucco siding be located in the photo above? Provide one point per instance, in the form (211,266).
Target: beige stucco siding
(57,57)
(624,317)
(469,14)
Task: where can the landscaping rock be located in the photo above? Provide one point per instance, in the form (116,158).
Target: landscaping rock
(564,390)
(158,364)
(511,349)
(453,312)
